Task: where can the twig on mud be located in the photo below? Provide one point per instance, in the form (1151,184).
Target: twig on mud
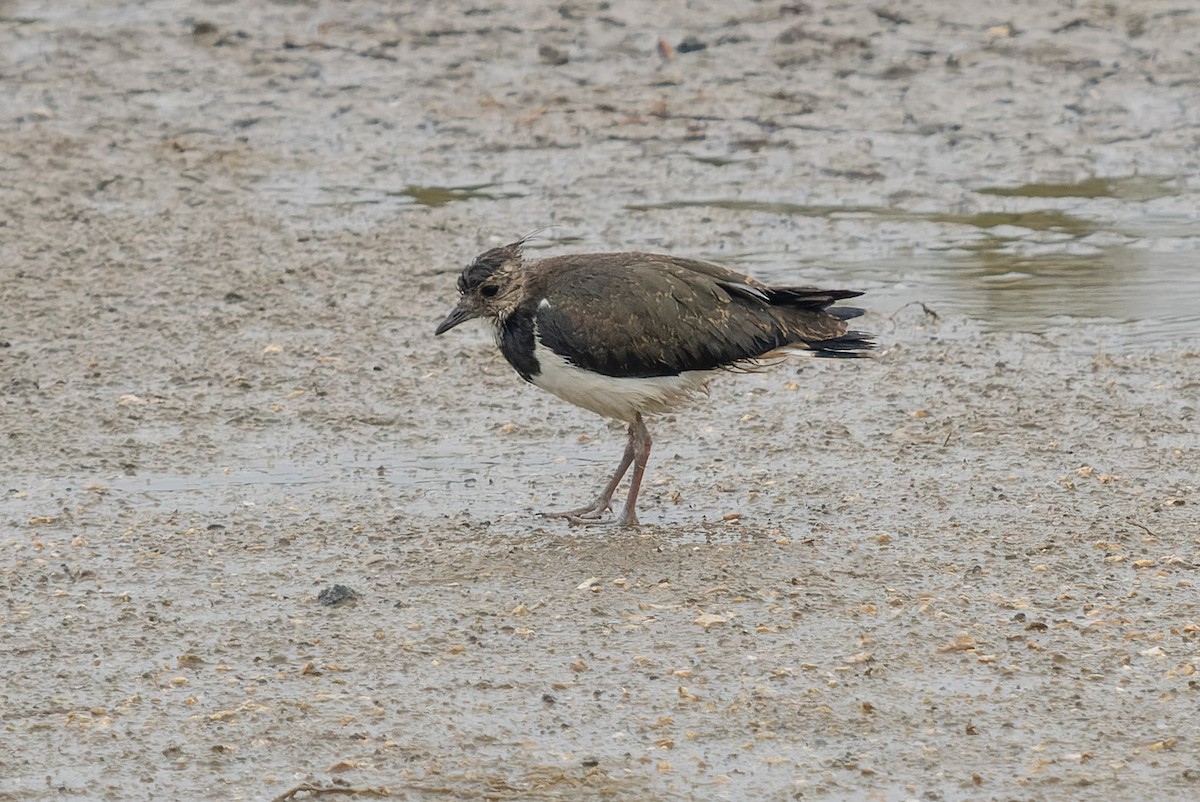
(924,308)
(1143,527)
(318,790)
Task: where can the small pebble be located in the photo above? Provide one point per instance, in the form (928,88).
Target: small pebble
(336,595)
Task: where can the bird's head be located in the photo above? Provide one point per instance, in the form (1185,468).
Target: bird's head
(490,287)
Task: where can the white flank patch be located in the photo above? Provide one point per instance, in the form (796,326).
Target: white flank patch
(544,304)
(612,396)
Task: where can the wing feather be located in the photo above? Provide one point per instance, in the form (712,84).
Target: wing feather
(644,315)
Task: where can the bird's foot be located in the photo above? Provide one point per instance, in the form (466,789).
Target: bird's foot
(593,515)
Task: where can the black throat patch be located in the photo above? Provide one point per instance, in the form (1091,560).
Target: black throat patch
(516,343)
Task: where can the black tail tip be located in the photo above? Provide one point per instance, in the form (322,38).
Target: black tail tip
(851,345)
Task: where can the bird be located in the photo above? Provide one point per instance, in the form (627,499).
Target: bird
(629,335)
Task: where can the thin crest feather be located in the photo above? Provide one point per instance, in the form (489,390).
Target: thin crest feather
(490,261)
(535,234)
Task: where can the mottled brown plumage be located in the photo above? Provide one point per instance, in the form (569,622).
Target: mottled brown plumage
(626,334)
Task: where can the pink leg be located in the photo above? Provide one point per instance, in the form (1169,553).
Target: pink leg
(639,440)
(637,453)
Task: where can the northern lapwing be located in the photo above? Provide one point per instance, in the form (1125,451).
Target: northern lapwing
(632,334)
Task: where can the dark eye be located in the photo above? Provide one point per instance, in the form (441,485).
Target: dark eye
(489,290)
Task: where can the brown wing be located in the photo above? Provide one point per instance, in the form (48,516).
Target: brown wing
(647,315)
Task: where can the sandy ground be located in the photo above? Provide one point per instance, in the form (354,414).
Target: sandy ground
(965,570)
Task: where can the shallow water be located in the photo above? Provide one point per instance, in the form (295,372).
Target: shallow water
(1113,251)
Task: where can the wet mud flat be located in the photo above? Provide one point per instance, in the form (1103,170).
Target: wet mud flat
(959,591)
(963,570)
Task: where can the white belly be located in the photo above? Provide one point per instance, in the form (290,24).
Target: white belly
(611,396)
